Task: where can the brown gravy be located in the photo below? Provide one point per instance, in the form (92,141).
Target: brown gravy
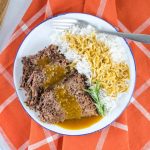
(54,74)
(68,102)
(76,124)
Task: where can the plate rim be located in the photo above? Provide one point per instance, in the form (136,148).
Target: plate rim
(74,14)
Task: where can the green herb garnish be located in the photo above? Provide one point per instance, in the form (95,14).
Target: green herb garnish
(94,92)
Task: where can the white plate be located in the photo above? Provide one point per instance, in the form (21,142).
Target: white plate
(39,38)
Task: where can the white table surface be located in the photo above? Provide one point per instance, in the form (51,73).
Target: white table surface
(15,11)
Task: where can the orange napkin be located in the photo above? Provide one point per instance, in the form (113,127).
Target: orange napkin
(130,131)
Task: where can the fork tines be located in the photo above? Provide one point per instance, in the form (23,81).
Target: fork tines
(62,24)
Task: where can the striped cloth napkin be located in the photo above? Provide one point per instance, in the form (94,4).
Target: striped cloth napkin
(130,131)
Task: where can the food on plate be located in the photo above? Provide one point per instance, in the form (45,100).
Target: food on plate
(78,78)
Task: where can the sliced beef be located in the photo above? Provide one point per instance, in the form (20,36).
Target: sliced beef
(43,99)
(30,64)
(75,85)
(35,88)
(28,68)
(49,109)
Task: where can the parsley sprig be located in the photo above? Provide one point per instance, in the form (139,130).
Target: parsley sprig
(94,92)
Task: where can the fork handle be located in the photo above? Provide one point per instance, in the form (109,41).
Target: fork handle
(136,37)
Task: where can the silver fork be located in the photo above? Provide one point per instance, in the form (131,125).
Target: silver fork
(64,24)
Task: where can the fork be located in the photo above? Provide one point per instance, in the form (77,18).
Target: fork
(64,24)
